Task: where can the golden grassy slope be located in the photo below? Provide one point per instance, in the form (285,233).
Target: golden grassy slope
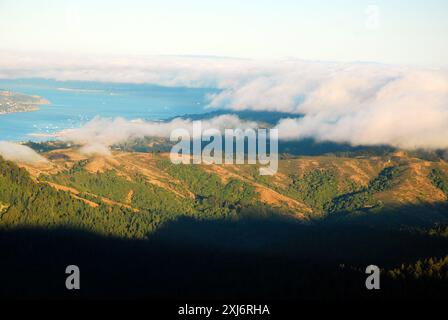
(411,187)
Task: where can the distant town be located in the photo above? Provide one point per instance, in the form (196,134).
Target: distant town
(17,102)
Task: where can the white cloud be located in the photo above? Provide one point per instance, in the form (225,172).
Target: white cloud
(100,133)
(358,103)
(93,148)
(20,153)
(408,112)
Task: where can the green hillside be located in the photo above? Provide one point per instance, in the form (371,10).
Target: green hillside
(328,216)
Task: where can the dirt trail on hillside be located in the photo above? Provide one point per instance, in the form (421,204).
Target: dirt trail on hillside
(153,174)
(73,192)
(76,194)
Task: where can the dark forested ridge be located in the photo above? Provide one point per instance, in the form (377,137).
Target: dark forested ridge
(174,231)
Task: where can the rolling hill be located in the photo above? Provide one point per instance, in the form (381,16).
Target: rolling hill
(320,219)
(305,188)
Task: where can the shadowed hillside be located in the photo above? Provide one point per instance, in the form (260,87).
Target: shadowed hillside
(139,226)
(189,259)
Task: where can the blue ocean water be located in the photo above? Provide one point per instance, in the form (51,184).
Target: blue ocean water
(73,103)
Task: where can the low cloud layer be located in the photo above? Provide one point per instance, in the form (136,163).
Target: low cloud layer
(100,133)
(406,112)
(356,103)
(20,153)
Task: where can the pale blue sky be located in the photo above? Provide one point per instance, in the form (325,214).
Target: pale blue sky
(408,32)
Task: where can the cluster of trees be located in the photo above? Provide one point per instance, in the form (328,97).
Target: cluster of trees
(364,199)
(439,230)
(316,188)
(352,202)
(213,197)
(385,179)
(108,184)
(430,268)
(31,204)
(439,179)
(47,146)
(25,202)
(325,192)
(146,144)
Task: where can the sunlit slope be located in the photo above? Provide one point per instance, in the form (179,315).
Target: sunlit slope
(304,187)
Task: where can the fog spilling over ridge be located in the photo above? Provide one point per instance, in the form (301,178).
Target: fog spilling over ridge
(19,153)
(356,103)
(100,133)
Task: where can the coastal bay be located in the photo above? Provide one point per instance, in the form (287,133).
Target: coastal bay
(74,103)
